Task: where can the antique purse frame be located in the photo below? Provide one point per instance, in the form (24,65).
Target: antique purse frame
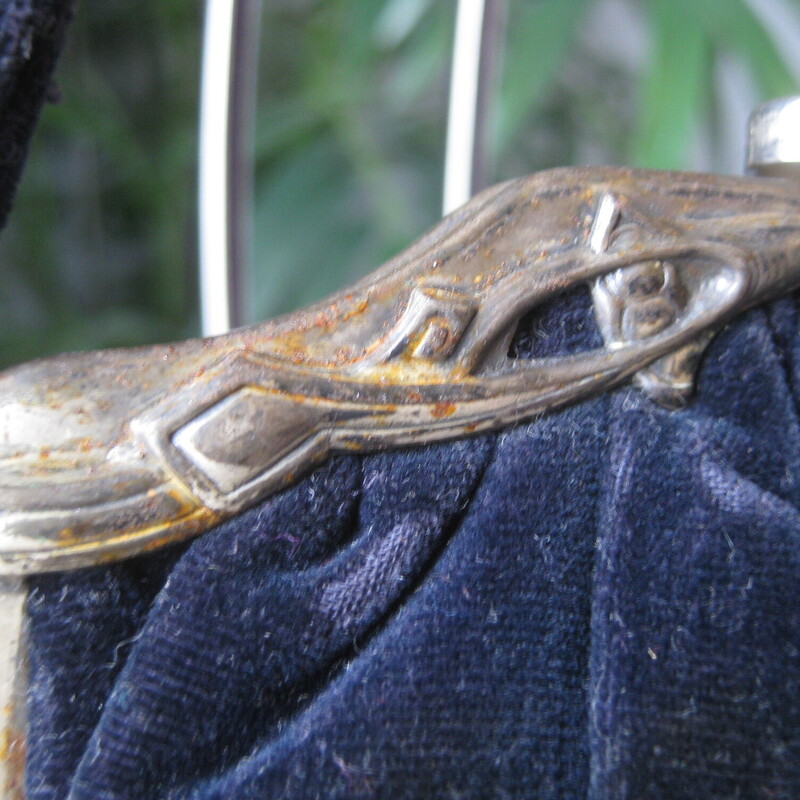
(109,454)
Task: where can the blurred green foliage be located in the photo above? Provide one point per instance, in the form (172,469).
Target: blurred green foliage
(350,127)
(99,247)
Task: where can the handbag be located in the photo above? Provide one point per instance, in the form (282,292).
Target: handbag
(595,601)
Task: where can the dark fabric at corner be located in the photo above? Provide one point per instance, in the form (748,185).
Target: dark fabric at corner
(31,36)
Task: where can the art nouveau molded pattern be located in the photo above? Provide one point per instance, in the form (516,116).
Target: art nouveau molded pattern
(110,453)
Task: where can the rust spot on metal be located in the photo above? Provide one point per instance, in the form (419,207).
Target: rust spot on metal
(66,536)
(344,354)
(12,751)
(194,523)
(360,308)
(352,447)
(441,410)
(185,505)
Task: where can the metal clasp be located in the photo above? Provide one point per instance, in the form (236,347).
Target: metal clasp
(148,445)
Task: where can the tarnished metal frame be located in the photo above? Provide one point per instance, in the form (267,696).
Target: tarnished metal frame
(107,454)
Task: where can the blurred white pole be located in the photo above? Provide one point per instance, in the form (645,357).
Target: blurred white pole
(215,305)
(227,97)
(477,49)
(462,114)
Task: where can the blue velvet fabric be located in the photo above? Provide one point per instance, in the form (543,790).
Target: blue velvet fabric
(601,603)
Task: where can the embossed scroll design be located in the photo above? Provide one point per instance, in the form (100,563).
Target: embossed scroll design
(106,454)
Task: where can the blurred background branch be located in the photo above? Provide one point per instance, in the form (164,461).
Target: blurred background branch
(101,247)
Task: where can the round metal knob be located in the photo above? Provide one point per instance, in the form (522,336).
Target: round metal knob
(773,145)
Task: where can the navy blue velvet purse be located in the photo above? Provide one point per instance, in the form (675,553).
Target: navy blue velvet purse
(601,603)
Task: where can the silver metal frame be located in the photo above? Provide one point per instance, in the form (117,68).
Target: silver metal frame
(111,453)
